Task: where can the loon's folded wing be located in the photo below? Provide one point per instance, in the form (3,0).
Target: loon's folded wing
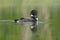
(27,20)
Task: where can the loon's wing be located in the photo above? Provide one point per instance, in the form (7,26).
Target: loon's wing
(27,20)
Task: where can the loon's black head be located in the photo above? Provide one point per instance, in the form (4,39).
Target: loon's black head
(34,12)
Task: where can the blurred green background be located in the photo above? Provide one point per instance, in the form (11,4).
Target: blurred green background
(11,9)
